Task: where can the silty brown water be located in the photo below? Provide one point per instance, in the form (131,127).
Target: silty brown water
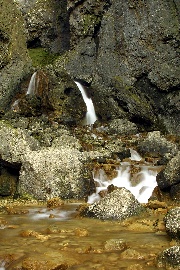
(40,238)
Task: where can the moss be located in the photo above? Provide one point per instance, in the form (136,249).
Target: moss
(89,21)
(41,57)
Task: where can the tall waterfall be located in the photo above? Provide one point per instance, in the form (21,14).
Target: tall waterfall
(32,85)
(90,114)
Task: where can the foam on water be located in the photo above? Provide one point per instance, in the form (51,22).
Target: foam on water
(142,188)
(90,114)
(58,214)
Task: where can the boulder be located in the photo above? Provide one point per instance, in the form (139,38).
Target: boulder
(122,127)
(117,205)
(57,170)
(156,145)
(169,258)
(172,222)
(170,176)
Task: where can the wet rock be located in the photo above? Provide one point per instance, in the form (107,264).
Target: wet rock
(157,145)
(172,222)
(119,204)
(131,254)
(170,175)
(115,244)
(169,258)
(80,232)
(64,96)
(54,203)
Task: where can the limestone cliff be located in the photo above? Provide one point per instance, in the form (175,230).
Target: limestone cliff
(14,61)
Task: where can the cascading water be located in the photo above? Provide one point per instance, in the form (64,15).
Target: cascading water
(32,85)
(145,180)
(90,115)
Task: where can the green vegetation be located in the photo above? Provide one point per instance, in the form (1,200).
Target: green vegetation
(41,57)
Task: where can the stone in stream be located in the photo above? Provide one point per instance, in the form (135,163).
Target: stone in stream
(119,204)
(172,222)
(169,258)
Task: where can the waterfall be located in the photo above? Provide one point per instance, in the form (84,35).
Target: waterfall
(32,85)
(90,114)
(144,180)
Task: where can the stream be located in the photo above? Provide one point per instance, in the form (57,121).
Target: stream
(35,237)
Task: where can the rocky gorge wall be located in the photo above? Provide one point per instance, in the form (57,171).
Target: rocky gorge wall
(125,51)
(126,55)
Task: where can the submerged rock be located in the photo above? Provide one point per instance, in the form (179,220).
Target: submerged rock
(119,204)
(172,222)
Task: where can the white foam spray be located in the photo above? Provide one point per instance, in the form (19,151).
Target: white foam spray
(90,115)
(141,186)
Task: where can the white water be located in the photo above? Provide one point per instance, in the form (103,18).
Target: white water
(145,179)
(32,85)
(90,115)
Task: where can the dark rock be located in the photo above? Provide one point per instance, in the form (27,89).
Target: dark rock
(169,258)
(14,61)
(131,63)
(157,145)
(64,96)
(119,204)
(171,174)
(175,192)
(121,127)
(47,23)
(172,222)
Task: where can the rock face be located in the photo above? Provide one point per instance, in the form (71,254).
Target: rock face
(47,23)
(118,205)
(172,222)
(14,61)
(128,51)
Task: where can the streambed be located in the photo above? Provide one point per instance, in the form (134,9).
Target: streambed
(35,237)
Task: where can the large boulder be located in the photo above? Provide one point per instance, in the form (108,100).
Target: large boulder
(155,144)
(14,61)
(170,176)
(169,258)
(118,205)
(59,170)
(172,222)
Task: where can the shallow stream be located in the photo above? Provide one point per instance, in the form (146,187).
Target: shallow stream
(35,237)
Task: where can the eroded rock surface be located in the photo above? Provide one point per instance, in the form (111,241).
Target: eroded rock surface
(118,205)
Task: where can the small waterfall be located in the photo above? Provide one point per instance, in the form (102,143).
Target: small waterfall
(90,115)
(144,180)
(32,85)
